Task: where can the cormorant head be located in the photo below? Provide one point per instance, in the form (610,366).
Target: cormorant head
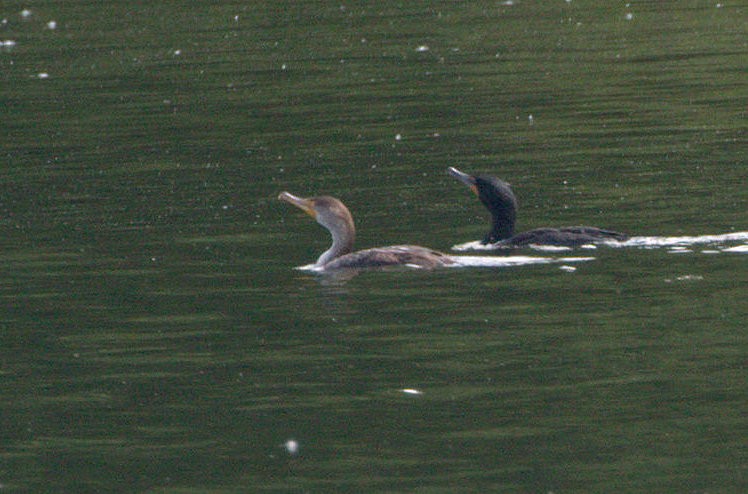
(333,215)
(497,196)
(328,211)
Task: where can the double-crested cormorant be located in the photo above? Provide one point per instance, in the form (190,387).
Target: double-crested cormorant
(497,196)
(333,215)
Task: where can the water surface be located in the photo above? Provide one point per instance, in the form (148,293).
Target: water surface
(155,335)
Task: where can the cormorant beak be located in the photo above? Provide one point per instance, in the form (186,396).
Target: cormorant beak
(466,179)
(305,205)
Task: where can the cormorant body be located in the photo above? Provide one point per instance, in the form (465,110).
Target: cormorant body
(333,215)
(497,196)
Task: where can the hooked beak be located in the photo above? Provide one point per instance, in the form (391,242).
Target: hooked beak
(466,179)
(305,205)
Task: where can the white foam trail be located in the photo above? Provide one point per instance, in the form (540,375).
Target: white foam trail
(743,249)
(310,267)
(476,245)
(683,241)
(484,262)
(552,248)
(502,262)
(641,242)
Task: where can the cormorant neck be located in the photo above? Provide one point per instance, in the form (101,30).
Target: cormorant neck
(343,235)
(502,225)
(497,196)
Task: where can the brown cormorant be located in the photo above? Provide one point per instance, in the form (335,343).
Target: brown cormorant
(333,215)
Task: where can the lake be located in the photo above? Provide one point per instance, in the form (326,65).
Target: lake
(157,336)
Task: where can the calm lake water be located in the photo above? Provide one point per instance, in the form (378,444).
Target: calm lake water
(155,335)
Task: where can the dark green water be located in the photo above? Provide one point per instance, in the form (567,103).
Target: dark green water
(155,337)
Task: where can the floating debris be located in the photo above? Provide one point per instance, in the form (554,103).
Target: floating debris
(422,48)
(411,391)
(291,446)
(686,277)
(689,277)
(52,25)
